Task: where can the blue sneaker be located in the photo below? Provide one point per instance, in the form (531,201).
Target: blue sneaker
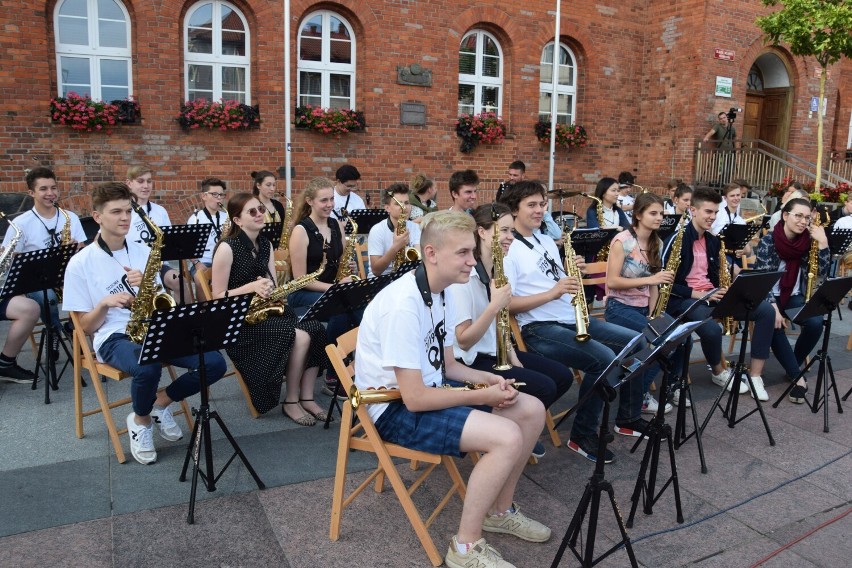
(538,450)
(587,446)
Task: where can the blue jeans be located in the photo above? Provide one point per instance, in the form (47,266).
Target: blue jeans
(556,341)
(337,324)
(789,358)
(123,354)
(54,307)
(633,318)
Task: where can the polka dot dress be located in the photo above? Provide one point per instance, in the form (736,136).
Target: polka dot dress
(263,350)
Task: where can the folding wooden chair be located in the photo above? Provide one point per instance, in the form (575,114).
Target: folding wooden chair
(363,259)
(204,293)
(84,357)
(364,437)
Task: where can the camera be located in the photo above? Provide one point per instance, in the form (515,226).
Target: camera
(732,113)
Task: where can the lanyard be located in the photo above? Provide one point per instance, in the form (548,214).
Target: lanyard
(554,267)
(422,281)
(52,233)
(215,223)
(105,248)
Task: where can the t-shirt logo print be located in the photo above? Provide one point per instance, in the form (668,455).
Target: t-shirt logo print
(434,352)
(547,268)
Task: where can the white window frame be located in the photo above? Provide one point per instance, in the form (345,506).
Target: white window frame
(216,59)
(560,89)
(477,79)
(325,67)
(93,51)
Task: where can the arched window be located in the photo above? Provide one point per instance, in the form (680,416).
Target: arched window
(480,73)
(566,90)
(93,49)
(754,83)
(216,53)
(326,61)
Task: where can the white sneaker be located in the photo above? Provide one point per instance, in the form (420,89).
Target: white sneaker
(169,429)
(676,399)
(650,405)
(141,441)
(722,379)
(762,395)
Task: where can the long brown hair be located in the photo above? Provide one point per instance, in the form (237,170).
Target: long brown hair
(486,216)
(236,204)
(643,201)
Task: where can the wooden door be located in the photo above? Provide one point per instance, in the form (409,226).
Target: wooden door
(772,126)
(751,117)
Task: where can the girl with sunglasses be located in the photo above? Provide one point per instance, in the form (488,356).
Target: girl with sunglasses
(267,351)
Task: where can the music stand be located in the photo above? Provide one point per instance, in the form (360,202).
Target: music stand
(746,293)
(39,271)
(839,241)
(182,242)
(657,429)
(597,484)
(343,298)
(668,225)
(211,326)
(272,231)
(366,218)
(588,242)
(823,303)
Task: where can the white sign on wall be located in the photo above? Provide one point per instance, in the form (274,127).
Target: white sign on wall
(724,87)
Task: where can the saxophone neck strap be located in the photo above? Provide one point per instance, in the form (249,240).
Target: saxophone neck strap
(106,249)
(422,281)
(483,277)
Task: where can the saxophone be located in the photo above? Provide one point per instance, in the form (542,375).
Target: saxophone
(813,260)
(150,296)
(282,267)
(404,254)
(226,226)
(344,270)
(274,304)
(504,342)
(9,252)
(581,309)
(603,254)
(729,326)
(672,266)
(64,239)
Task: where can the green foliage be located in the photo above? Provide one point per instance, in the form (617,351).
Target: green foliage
(818,28)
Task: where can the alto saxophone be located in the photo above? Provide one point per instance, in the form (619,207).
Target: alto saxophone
(581,309)
(9,252)
(150,296)
(405,254)
(504,342)
(603,254)
(672,266)
(729,326)
(64,239)
(344,270)
(226,226)
(282,267)
(274,304)
(813,260)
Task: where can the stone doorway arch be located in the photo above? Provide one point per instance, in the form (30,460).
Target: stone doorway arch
(769,99)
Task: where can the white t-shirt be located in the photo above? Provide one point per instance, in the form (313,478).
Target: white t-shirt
(530,273)
(626,200)
(340,202)
(36,230)
(217,220)
(92,274)
(380,240)
(844,222)
(725,217)
(398,330)
(669,207)
(139,232)
(469,302)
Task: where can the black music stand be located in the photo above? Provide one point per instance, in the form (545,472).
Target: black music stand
(588,242)
(746,293)
(669,225)
(604,387)
(657,429)
(211,326)
(736,237)
(839,241)
(182,242)
(823,303)
(366,218)
(343,298)
(39,271)
(272,231)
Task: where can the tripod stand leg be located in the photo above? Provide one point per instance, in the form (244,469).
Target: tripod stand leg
(190,448)
(640,489)
(675,482)
(333,404)
(796,380)
(697,432)
(624,538)
(592,531)
(761,412)
(238,450)
(834,384)
(573,531)
(193,451)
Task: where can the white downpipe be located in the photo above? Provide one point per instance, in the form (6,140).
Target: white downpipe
(288,181)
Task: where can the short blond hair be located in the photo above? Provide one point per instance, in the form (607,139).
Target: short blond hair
(137,170)
(436,225)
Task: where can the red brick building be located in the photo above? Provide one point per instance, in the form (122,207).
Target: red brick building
(640,76)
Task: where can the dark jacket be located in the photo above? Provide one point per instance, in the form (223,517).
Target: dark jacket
(714,246)
(592,217)
(768,259)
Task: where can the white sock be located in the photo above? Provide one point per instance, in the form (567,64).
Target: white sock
(463,547)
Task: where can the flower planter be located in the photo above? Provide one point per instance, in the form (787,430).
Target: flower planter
(223,115)
(85,114)
(329,121)
(482,128)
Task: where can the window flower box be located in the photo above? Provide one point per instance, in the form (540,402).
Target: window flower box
(82,113)
(329,121)
(483,128)
(567,135)
(222,115)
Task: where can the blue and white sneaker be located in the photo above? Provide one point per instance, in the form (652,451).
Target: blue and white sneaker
(587,446)
(141,441)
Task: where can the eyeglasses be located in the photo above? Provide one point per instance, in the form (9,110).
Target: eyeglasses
(259,210)
(352,185)
(216,195)
(802,217)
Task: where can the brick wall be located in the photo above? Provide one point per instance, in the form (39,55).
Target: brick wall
(645,93)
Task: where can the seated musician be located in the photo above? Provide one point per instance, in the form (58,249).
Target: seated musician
(478,302)
(316,233)
(42,227)
(422,197)
(787,248)
(697,274)
(101,283)
(264,185)
(608,192)
(384,241)
(406,342)
(541,297)
(633,275)
(268,350)
(212,196)
(463,185)
(681,198)
(141,183)
(346,184)
(23,313)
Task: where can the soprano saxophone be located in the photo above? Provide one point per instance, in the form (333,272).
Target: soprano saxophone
(282,253)
(504,342)
(672,266)
(275,303)
(729,326)
(813,259)
(404,254)
(581,309)
(151,295)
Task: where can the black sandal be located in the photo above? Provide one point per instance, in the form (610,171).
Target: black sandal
(306,419)
(320,416)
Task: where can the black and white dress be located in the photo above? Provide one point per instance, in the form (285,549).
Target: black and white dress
(263,350)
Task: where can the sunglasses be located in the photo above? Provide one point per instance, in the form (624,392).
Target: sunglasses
(259,210)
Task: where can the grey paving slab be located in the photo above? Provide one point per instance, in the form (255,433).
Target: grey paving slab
(824,537)
(754,550)
(82,544)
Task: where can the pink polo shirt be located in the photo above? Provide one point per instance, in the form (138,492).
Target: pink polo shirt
(698,278)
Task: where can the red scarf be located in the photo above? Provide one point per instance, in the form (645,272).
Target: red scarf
(791,252)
